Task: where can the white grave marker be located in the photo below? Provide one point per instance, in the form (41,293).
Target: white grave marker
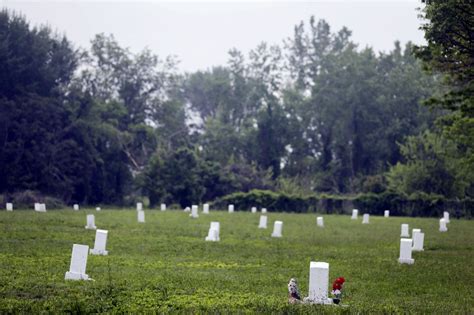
(187,209)
(355,213)
(37,206)
(263,222)
(277,227)
(141,216)
(205,208)
(264,210)
(442,225)
(319,283)
(100,243)
(405,232)
(194,212)
(75,207)
(405,251)
(254,209)
(77,269)
(97,209)
(9,206)
(418,239)
(91,222)
(231,208)
(320,221)
(213,234)
(386,213)
(139,206)
(365,218)
(446,216)
(163,207)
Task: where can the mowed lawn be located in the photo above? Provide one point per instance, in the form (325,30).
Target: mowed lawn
(164,265)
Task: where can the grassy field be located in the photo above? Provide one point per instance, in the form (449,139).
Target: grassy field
(165,265)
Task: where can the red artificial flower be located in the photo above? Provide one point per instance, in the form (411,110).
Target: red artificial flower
(340,280)
(336,286)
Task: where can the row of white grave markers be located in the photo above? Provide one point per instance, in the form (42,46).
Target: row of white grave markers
(409,245)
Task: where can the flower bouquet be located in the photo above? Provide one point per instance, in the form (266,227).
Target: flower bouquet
(337,289)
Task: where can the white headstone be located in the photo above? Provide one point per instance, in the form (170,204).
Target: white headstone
(139,206)
(97,209)
(355,213)
(319,283)
(365,218)
(214,231)
(77,269)
(277,227)
(187,209)
(163,207)
(100,243)
(75,207)
(386,213)
(40,207)
(9,206)
(320,221)
(194,212)
(405,232)
(205,208)
(264,210)
(263,222)
(141,216)
(405,251)
(231,208)
(446,216)
(91,222)
(254,209)
(37,206)
(43,207)
(418,239)
(442,225)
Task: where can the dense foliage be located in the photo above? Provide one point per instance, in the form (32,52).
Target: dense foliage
(315,114)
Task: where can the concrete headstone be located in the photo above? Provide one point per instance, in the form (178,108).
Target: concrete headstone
(405,251)
(263,222)
(77,269)
(405,232)
(91,222)
(442,225)
(9,206)
(100,243)
(320,221)
(365,218)
(277,227)
(418,240)
(355,213)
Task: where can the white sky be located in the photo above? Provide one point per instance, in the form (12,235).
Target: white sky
(201,33)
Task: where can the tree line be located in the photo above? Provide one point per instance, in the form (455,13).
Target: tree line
(313,114)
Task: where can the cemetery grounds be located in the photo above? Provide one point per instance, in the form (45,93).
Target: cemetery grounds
(164,265)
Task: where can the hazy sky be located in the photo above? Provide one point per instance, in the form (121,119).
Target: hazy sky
(201,33)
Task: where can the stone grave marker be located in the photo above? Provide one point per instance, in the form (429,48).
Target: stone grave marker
(263,222)
(446,216)
(320,221)
(91,222)
(214,231)
(75,207)
(355,213)
(405,232)
(418,239)
(405,251)
(386,213)
(194,211)
(139,206)
(141,216)
(100,243)
(254,210)
(187,209)
(9,206)
(163,207)
(97,209)
(277,227)
(205,208)
(77,269)
(442,225)
(365,218)
(231,208)
(318,283)
(264,210)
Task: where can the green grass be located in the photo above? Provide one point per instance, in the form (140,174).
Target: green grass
(165,265)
